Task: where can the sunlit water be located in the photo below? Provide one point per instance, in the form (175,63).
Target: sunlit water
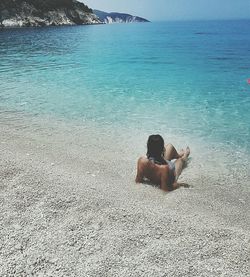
(183,78)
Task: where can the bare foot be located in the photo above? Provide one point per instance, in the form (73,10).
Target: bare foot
(181,153)
(187,153)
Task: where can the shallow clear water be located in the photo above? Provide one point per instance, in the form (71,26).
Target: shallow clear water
(186,78)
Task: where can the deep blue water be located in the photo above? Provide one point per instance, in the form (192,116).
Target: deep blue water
(188,78)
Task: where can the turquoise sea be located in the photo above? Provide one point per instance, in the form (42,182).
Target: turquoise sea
(184,78)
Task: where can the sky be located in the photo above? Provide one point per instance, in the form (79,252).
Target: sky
(176,9)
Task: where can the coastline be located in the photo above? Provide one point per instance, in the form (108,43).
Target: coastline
(45,13)
(70,206)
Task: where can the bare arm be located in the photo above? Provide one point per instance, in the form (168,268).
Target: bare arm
(139,175)
(164,179)
(175,185)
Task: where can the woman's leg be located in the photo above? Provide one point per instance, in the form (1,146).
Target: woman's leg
(179,163)
(171,153)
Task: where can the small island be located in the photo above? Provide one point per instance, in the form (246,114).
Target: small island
(114,17)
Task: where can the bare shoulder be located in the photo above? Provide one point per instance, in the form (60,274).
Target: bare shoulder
(143,160)
(141,166)
(163,169)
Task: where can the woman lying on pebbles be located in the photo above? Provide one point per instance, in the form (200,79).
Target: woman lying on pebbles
(158,167)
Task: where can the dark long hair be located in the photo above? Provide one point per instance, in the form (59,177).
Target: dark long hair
(155,146)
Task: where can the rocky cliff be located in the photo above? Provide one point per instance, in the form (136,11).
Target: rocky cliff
(118,17)
(21,13)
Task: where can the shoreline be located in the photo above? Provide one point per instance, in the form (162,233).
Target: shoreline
(70,207)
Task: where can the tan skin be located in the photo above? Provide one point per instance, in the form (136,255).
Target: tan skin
(161,174)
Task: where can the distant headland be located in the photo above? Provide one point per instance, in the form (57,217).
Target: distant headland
(34,13)
(115,17)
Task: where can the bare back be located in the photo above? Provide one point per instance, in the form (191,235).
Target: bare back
(158,174)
